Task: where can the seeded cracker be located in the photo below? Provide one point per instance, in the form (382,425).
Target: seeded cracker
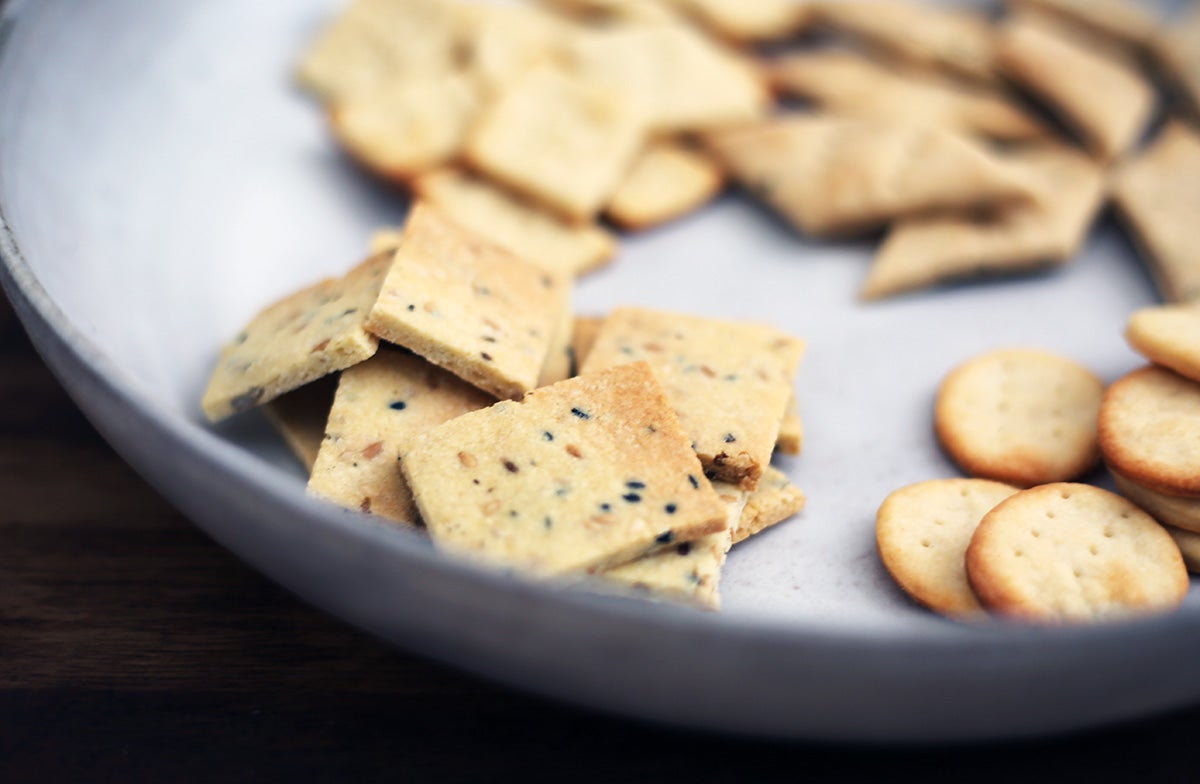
(581,476)
(550,123)
(526,229)
(468,306)
(381,404)
(1071,553)
(729,382)
(1180,513)
(307,335)
(1103,100)
(300,418)
(666,182)
(837,176)
(849,84)
(1046,231)
(1158,195)
(773,501)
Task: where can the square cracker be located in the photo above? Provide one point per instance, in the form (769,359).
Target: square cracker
(837,176)
(773,501)
(688,571)
(923,251)
(309,334)
(580,476)
(300,416)
(1106,102)
(729,382)
(381,404)
(1158,195)
(1178,50)
(558,139)
(850,84)
(468,306)
(526,229)
(667,181)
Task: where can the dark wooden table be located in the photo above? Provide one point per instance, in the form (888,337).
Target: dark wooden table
(132,648)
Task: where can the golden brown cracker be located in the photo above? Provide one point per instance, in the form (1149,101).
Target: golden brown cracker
(774,500)
(1168,335)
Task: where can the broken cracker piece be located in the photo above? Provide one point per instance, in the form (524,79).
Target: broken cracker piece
(791,430)
(300,416)
(667,181)
(774,500)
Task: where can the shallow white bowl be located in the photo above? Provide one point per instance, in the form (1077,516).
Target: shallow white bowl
(160,180)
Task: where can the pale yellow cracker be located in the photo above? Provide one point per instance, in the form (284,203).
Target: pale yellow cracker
(1150,430)
(748,21)
(584,337)
(468,306)
(524,228)
(689,571)
(835,176)
(1106,102)
(375,42)
(606,12)
(501,41)
(581,476)
(1071,553)
(955,40)
(1180,513)
(1178,50)
(774,500)
(560,361)
(1168,335)
(309,334)
(922,532)
(381,404)
(560,140)
(846,83)
(1123,21)
(385,240)
(791,431)
(729,382)
(1158,195)
(403,128)
(1021,416)
(667,181)
(300,418)
(1046,231)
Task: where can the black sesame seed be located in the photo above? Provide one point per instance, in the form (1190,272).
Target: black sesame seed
(512,512)
(605,507)
(581,413)
(510,466)
(474,481)
(730,438)
(683,548)
(488,339)
(652,428)
(632,498)
(399,405)
(548,435)
(412,307)
(560,492)
(695,482)
(548,523)
(348,311)
(670,508)
(731,377)
(635,485)
(486,356)
(666,537)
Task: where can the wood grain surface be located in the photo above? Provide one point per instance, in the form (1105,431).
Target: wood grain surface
(134,649)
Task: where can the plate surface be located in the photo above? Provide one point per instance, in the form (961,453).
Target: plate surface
(161,180)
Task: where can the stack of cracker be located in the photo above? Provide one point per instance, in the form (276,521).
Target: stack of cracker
(470,404)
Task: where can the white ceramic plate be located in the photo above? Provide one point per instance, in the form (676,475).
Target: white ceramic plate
(160,180)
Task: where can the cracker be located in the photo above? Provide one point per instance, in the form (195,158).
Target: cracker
(584,337)
(560,362)
(1168,335)
(381,404)
(729,382)
(526,229)
(374,42)
(1071,553)
(849,84)
(1020,416)
(773,501)
(1178,51)
(748,21)
(1047,231)
(581,476)
(608,12)
(503,41)
(1158,195)
(1106,102)
(688,571)
(468,306)
(385,240)
(791,430)
(1180,513)
(922,532)
(309,334)
(300,416)
(954,40)
(406,127)
(836,176)
(1122,21)
(678,79)
(548,124)
(1188,543)
(667,181)
(1150,430)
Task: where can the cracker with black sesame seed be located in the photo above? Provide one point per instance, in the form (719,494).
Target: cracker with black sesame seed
(577,477)
(299,417)
(774,500)
(309,334)
(729,382)
(380,405)
(468,306)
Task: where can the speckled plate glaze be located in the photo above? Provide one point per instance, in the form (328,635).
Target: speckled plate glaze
(160,180)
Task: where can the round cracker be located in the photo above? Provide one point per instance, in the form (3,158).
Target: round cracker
(922,532)
(1069,552)
(1170,510)
(1168,335)
(1020,416)
(1189,545)
(1150,430)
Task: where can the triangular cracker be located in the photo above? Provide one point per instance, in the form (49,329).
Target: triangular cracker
(729,382)
(1158,194)
(309,334)
(581,476)
(667,181)
(837,176)
(468,306)
(300,418)
(924,251)
(381,404)
(773,501)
